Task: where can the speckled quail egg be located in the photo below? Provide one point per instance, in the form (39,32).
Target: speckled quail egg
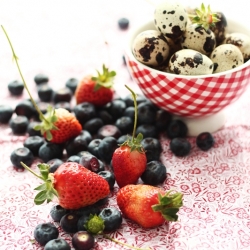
(199,39)
(190,62)
(170,18)
(226,57)
(150,47)
(240,40)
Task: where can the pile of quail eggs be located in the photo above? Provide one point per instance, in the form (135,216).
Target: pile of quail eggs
(179,46)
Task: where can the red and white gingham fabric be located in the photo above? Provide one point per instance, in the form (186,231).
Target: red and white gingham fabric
(194,97)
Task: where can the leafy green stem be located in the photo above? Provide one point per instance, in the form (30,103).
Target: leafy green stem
(20,72)
(31,171)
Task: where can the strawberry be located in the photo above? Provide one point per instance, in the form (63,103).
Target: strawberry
(147,205)
(74,185)
(129,160)
(57,126)
(96,90)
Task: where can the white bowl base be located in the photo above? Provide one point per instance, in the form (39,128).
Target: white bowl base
(209,124)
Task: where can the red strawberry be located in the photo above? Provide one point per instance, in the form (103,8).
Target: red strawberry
(96,90)
(147,205)
(74,185)
(58,125)
(129,160)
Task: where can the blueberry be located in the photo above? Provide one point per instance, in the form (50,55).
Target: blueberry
(16,87)
(64,105)
(22,154)
(84,112)
(180,146)
(146,113)
(105,116)
(123,23)
(148,130)
(123,138)
(72,83)
(93,125)
(43,106)
(152,147)
(45,93)
(90,162)
(73,158)
(205,141)
(124,124)
(6,113)
(112,218)
(57,244)
(116,108)
(176,128)
(41,78)
(86,211)
(45,232)
(130,112)
(130,102)
(57,212)
(83,240)
(19,124)
(154,174)
(106,148)
(93,147)
(76,145)
(30,129)
(49,151)
(54,164)
(69,223)
(108,130)
(163,119)
(62,95)
(86,135)
(33,143)
(109,177)
(82,222)
(25,108)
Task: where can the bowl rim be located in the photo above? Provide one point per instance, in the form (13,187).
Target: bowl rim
(137,29)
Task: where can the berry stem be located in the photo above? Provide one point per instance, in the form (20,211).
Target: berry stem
(135,105)
(20,72)
(31,171)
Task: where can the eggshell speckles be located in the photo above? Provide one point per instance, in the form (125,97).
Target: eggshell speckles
(240,40)
(170,18)
(199,39)
(151,48)
(190,62)
(226,57)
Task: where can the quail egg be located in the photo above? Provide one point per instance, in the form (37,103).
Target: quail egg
(150,47)
(170,18)
(240,40)
(190,62)
(226,57)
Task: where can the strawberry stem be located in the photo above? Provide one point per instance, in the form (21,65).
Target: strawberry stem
(20,72)
(31,171)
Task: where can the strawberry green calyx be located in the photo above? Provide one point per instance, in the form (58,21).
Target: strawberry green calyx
(46,190)
(47,121)
(169,205)
(204,17)
(135,142)
(95,224)
(104,79)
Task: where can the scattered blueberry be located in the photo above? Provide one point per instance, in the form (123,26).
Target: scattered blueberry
(116,108)
(19,124)
(49,151)
(22,154)
(69,223)
(90,162)
(82,222)
(83,240)
(124,124)
(112,218)
(123,138)
(93,125)
(76,145)
(146,113)
(45,232)
(57,212)
(57,244)
(105,116)
(123,23)
(30,129)
(106,148)
(93,147)
(130,112)
(130,102)
(86,211)
(163,119)
(152,147)
(72,84)
(180,146)
(176,128)
(16,87)
(54,164)
(62,95)
(148,130)
(6,113)
(25,108)
(109,130)
(109,177)
(205,141)
(84,112)
(64,105)
(43,106)
(33,143)
(74,158)
(154,174)
(41,78)
(45,93)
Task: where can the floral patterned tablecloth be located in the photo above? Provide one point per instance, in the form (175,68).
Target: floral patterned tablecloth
(65,39)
